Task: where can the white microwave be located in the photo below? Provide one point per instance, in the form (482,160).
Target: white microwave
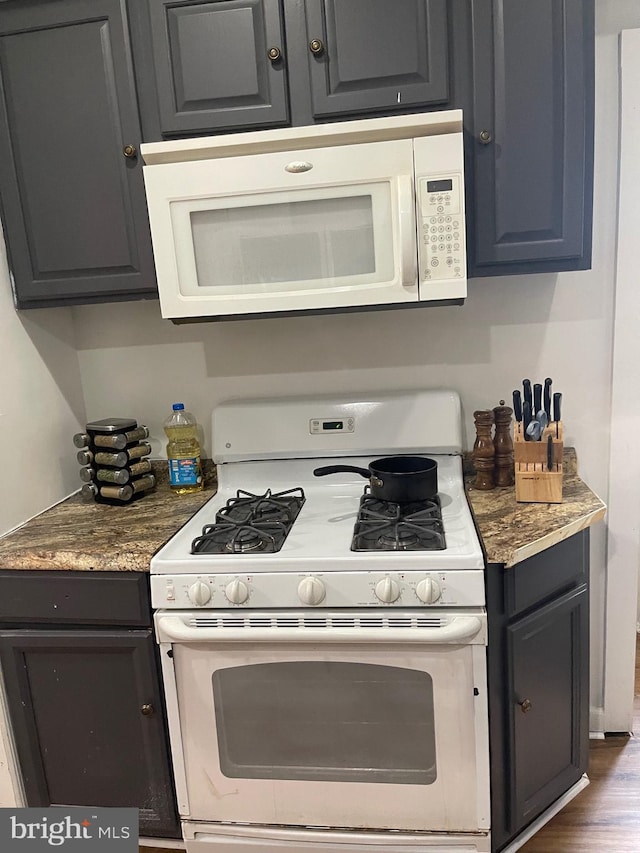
(361,214)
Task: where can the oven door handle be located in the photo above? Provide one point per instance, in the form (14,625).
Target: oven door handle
(460,629)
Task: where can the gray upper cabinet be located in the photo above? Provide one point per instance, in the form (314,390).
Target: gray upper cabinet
(531,202)
(217,65)
(369,55)
(221,65)
(73,204)
(82,82)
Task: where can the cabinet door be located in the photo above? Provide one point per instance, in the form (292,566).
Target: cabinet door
(533,126)
(88,721)
(547,661)
(219,64)
(366,55)
(73,205)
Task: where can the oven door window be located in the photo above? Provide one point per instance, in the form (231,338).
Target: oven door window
(325,721)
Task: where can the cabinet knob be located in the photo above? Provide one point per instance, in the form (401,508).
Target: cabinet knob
(485,137)
(274,54)
(525,705)
(316,47)
(130,151)
(147,710)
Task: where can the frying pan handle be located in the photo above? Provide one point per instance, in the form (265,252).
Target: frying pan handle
(338,469)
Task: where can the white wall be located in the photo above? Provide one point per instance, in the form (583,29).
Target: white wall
(41,406)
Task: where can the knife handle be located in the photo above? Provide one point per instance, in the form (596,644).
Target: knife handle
(526,418)
(557,400)
(526,392)
(517,405)
(537,397)
(547,397)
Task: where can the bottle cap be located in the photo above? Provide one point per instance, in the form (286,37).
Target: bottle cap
(178,407)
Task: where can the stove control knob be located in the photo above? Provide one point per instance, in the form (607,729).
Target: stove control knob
(428,591)
(387,590)
(237,591)
(311,591)
(200,593)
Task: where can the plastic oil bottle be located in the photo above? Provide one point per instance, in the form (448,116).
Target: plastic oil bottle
(183,452)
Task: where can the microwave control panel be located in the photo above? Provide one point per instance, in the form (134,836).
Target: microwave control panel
(441,228)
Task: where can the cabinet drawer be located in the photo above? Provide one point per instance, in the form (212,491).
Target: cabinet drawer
(78,598)
(549,573)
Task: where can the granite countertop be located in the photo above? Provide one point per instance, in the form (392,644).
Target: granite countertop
(511,532)
(88,536)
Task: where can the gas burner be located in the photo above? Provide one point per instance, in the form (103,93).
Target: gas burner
(251,523)
(389,509)
(397,539)
(387,526)
(240,538)
(281,506)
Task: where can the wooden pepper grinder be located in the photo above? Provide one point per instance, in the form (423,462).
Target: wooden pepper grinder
(483,450)
(503,445)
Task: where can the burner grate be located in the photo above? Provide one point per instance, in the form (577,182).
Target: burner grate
(251,523)
(388,526)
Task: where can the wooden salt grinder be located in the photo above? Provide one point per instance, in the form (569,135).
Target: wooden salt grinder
(503,445)
(483,450)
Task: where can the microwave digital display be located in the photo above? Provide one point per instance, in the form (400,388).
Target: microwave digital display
(439,186)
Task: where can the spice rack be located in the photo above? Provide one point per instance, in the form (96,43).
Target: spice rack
(112,454)
(538,465)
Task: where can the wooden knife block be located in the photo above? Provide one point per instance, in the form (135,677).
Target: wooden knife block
(535,483)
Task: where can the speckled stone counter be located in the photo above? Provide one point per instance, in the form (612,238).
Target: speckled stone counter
(76,535)
(512,532)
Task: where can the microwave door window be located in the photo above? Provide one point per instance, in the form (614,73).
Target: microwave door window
(285,245)
(326,721)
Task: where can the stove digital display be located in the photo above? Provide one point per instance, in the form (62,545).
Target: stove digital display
(317,426)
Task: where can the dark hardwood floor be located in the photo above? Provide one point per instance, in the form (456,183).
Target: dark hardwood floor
(605,817)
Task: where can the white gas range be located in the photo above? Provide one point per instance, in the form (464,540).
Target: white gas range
(324,656)
(239,566)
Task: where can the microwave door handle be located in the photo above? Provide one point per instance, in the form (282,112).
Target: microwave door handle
(407,231)
(460,628)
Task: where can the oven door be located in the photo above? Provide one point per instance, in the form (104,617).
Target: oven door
(285,231)
(329,719)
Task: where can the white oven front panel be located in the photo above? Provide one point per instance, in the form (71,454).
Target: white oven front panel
(368,727)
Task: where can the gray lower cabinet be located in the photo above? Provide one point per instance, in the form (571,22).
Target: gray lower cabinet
(84,694)
(530,199)
(538,664)
(72,202)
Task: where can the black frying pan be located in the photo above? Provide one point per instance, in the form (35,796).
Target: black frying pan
(401,479)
